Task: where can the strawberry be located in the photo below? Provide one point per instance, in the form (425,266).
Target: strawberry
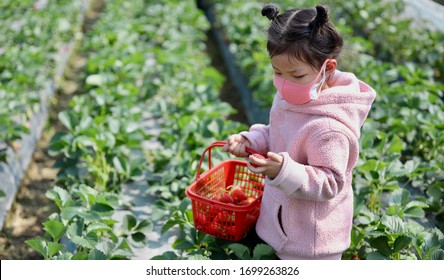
(226,198)
(238,196)
(247,201)
(259,156)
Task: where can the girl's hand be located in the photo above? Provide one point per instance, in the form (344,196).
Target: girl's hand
(269,167)
(236,145)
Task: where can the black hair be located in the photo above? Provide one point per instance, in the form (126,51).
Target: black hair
(303,34)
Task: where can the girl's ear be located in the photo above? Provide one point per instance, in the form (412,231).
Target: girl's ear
(331,65)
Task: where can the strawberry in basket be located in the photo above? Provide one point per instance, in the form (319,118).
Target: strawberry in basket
(237,194)
(233,195)
(234,216)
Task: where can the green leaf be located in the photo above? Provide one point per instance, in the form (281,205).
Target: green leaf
(88,195)
(184,245)
(69,119)
(114,125)
(376,256)
(95,254)
(128,223)
(137,239)
(85,122)
(381,244)
(399,196)
(145,227)
(410,166)
(98,227)
(401,242)
(54,248)
(396,169)
(60,196)
(65,256)
(103,209)
(169,255)
(416,203)
(241,251)
(393,224)
(105,247)
(2,194)
(437,255)
(80,256)
(167,225)
(214,127)
(70,212)
(124,245)
(432,241)
(80,241)
(435,193)
(121,254)
(198,258)
(95,80)
(76,228)
(91,216)
(261,251)
(395,210)
(119,164)
(396,145)
(109,199)
(415,212)
(184,204)
(39,244)
(55,229)
(84,142)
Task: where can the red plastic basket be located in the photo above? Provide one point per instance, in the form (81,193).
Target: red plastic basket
(222,220)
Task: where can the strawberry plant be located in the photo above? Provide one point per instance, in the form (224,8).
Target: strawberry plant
(193,244)
(31,37)
(99,150)
(86,225)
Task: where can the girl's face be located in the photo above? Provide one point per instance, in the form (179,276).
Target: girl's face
(293,70)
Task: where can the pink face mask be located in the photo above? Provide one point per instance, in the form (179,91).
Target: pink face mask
(299,94)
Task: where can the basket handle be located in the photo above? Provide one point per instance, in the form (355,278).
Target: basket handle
(208,149)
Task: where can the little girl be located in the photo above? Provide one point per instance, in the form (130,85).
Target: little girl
(311,141)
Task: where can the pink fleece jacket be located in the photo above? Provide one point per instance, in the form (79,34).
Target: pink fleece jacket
(307,210)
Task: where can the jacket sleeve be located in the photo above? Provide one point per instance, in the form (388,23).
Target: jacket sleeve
(323,177)
(258,137)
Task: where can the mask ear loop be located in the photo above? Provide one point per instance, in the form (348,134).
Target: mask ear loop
(314,90)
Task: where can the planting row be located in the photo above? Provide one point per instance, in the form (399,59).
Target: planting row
(36,40)
(32,34)
(100,148)
(139,64)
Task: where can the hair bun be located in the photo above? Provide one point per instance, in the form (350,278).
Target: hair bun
(320,19)
(270,11)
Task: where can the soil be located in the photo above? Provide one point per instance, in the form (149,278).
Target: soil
(31,206)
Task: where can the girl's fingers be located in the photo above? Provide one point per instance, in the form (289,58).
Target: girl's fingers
(235,138)
(226,147)
(275,157)
(257,161)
